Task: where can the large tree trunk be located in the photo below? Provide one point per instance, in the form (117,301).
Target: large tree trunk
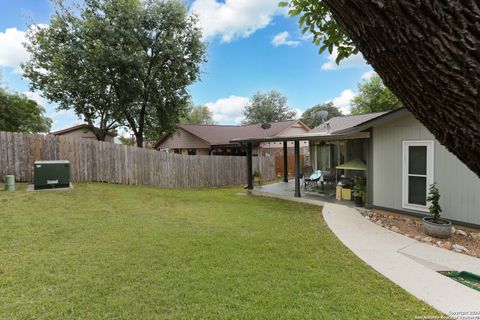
(428,54)
(139,139)
(98,132)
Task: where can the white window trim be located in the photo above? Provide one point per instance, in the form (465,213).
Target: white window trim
(430,171)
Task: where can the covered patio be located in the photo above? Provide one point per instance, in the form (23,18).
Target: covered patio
(328,153)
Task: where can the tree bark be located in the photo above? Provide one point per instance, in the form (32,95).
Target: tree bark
(98,132)
(428,54)
(139,139)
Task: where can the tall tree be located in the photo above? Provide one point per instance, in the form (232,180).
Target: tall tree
(126,140)
(68,69)
(198,115)
(119,62)
(267,107)
(373,96)
(20,114)
(312,118)
(426,52)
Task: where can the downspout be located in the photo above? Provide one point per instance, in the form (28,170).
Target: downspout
(369,202)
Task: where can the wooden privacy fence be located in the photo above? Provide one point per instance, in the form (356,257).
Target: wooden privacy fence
(290,164)
(92,160)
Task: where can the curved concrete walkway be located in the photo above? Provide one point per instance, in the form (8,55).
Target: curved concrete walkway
(409,263)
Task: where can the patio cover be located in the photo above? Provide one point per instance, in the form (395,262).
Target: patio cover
(355,164)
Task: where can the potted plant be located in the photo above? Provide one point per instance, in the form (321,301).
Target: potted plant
(434,225)
(358,194)
(257,177)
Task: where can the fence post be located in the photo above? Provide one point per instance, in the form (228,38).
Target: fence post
(285,161)
(249,166)
(297,168)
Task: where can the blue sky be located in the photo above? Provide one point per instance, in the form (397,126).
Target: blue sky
(252,46)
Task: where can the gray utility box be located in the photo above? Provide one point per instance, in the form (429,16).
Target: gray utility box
(51,174)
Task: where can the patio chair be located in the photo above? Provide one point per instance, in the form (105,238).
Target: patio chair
(307,170)
(312,181)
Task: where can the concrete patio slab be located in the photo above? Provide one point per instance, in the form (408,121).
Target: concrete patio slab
(287,189)
(410,264)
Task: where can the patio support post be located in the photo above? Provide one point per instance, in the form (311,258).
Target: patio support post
(285,161)
(297,168)
(249,167)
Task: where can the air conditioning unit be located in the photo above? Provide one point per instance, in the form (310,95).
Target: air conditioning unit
(51,174)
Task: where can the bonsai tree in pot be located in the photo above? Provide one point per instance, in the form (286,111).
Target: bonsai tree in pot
(257,177)
(434,225)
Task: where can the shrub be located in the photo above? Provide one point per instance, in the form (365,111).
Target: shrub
(433,198)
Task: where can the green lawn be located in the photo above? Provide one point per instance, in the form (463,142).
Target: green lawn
(107,251)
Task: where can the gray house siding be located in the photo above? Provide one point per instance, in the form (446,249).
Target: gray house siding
(459,186)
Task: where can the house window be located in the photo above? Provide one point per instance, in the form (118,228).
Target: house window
(323,157)
(192,152)
(417,174)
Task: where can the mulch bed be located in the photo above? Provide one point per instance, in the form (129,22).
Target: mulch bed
(463,240)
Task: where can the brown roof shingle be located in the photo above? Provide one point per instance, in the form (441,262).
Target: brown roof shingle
(345,122)
(80,126)
(222,134)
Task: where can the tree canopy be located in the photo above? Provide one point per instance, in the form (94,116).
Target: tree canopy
(316,19)
(267,107)
(126,140)
(118,63)
(373,96)
(312,118)
(18,113)
(425,52)
(198,115)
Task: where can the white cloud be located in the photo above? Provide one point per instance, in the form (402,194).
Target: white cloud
(298,113)
(344,101)
(228,110)
(64,113)
(308,36)
(234,19)
(12,52)
(283,39)
(62,119)
(37,96)
(368,75)
(353,61)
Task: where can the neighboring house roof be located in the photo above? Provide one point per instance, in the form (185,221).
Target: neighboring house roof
(337,127)
(74,128)
(218,135)
(383,118)
(345,122)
